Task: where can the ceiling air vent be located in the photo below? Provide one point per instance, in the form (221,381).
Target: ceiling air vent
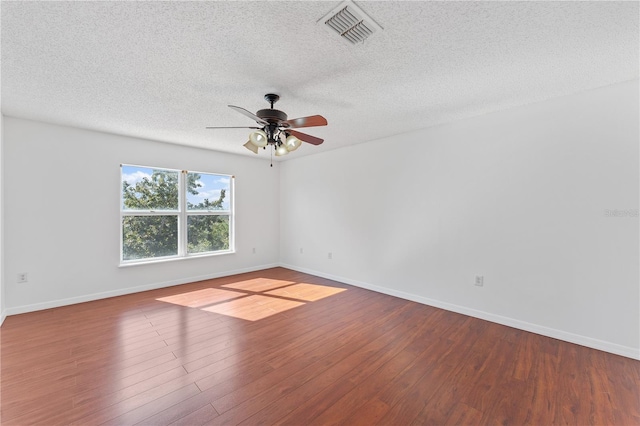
(350,23)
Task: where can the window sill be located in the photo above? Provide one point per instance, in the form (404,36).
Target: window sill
(173,259)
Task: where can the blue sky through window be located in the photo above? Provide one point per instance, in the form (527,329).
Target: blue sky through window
(210,188)
(211,184)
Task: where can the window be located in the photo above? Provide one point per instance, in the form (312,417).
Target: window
(173,214)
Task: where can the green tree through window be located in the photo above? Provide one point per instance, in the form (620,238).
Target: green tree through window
(206,232)
(154,220)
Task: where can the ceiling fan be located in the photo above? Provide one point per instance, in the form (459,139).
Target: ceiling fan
(276,130)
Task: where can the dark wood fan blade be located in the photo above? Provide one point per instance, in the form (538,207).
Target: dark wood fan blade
(306,138)
(311,121)
(224,127)
(248,114)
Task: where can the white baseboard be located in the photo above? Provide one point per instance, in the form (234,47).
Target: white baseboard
(578,339)
(3,315)
(120,292)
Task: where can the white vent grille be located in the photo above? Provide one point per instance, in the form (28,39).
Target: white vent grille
(350,22)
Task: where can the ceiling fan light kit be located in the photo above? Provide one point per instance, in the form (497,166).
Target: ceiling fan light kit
(259,138)
(276,130)
(292,143)
(251,147)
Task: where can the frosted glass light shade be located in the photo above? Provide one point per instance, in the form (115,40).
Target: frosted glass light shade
(292,143)
(258,138)
(251,147)
(281,150)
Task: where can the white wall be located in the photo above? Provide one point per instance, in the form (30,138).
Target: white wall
(2,310)
(517,196)
(61,199)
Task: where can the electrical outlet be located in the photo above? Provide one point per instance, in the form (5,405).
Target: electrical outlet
(330,255)
(254,250)
(23,277)
(301,250)
(479,280)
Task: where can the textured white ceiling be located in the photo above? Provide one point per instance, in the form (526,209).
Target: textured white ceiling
(165,70)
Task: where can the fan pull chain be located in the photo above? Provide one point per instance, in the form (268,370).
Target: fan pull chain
(271,157)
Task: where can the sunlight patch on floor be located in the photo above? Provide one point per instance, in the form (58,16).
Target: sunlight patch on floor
(258,284)
(260,298)
(307,292)
(254,307)
(199,298)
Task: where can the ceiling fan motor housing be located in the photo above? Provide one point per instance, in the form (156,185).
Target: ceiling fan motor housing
(272,115)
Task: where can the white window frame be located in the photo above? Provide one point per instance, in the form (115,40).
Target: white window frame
(182,215)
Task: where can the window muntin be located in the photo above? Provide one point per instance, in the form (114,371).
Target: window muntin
(172,214)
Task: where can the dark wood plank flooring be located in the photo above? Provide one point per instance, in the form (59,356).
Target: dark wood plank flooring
(282,347)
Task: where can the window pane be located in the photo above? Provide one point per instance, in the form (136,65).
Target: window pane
(207,233)
(208,192)
(149,189)
(145,237)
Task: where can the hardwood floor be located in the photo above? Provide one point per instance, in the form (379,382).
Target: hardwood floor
(282,347)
